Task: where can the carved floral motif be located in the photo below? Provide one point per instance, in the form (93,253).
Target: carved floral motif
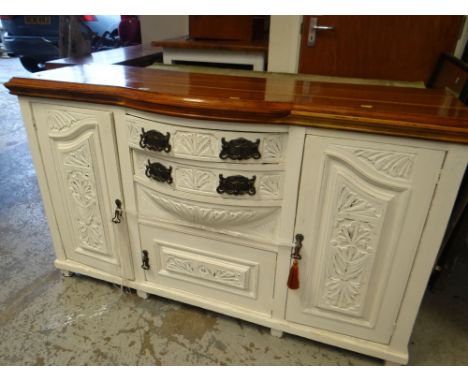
(205,271)
(195,144)
(350,202)
(79,157)
(351,250)
(60,120)
(394,164)
(194,179)
(209,216)
(83,191)
(133,132)
(350,255)
(270,185)
(272,147)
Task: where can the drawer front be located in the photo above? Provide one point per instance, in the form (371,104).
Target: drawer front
(208,268)
(205,144)
(256,222)
(221,181)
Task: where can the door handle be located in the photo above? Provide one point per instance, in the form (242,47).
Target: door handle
(313,28)
(323,27)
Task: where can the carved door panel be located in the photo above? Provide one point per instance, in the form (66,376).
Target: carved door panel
(79,154)
(362,208)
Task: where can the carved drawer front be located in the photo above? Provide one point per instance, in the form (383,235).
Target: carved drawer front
(362,208)
(211,269)
(250,182)
(205,144)
(257,222)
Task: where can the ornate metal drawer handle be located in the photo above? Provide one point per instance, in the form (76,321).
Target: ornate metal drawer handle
(158,172)
(154,140)
(236,185)
(239,149)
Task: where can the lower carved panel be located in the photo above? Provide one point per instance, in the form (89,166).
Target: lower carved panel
(203,268)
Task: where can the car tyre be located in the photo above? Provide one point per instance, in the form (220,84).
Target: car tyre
(31,64)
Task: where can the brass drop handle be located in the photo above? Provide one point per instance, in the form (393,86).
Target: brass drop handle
(297,248)
(118,212)
(293,278)
(145,260)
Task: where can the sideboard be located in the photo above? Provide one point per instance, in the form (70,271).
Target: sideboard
(310,208)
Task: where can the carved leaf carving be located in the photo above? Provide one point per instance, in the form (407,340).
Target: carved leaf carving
(195,144)
(394,164)
(272,147)
(88,218)
(350,255)
(79,157)
(60,120)
(82,189)
(205,271)
(133,132)
(270,185)
(350,202)
(209,216)
(194,179)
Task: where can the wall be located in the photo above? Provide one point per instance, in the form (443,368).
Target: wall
(285,44)
(162,27)
(462,41)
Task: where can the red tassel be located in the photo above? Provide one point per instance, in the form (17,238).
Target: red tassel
(293,279)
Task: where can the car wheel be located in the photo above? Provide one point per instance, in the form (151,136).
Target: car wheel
(31,64)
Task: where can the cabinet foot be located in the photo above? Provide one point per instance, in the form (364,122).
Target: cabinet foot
(67,273)
(276,333)
(391,363)
(142,294)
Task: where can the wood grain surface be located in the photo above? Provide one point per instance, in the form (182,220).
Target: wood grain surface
(418,113)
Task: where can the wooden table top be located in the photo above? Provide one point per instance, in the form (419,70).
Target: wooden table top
(418,113)
(186,42)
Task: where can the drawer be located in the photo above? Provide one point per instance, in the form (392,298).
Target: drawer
(258,221)
(206,144)
(252,182)
(222,272)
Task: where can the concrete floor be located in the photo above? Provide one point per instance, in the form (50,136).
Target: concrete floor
(46,319)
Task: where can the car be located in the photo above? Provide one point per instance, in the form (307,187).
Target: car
(35,39)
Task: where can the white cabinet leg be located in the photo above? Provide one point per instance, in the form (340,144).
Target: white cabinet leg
(67,273)
(142,294)
(391,363)
(276,333)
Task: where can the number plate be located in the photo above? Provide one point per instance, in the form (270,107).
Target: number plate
(38,20)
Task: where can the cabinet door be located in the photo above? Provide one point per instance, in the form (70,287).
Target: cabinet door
(362,208)
(79,156)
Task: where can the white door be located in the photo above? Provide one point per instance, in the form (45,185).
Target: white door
(361,209)
(79,155)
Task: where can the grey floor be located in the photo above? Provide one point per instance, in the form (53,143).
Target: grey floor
(46,319)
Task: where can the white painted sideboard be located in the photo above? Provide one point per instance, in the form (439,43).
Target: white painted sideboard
(372,209)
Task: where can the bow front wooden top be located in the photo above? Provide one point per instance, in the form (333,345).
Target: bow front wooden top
(408,112)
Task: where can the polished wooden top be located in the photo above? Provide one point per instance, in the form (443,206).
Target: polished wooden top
(419,113)
(186,42)
(124,55)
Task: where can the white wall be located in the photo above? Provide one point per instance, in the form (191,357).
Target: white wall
(285,44)
(462,41)
(162,27)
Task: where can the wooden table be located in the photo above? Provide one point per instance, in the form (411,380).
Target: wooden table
(185,49)
(136,55)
